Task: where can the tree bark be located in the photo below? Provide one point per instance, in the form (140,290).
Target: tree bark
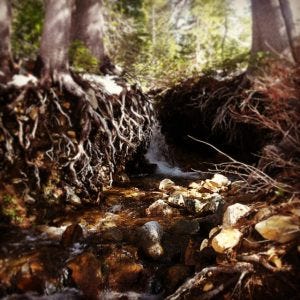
(88,26)
(55,44)
(274,28)
(5,47)
(291,15)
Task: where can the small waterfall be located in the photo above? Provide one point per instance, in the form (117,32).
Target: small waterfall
(158,153)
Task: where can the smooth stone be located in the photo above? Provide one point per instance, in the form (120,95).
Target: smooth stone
(150,235)
(281,229)
(86,274)
(73,234)
(226,239)
(161,208)
(233,213)
(177,200)
(166,184)
(71,196)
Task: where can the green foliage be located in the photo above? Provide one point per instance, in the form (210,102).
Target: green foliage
(158,45)
(27,27)
(82,59)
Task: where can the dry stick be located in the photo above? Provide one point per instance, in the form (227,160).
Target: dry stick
(239,267)
(263,176)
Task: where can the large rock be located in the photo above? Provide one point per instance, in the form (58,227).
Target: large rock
(72,234)
(86,274)
(150,235)
(279,228)
(124,268)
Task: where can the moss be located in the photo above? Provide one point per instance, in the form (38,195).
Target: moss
(82,59)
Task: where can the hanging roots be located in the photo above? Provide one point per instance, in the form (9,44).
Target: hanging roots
(255,117)
(50,135)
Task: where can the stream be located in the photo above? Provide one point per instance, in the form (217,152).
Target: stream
(108,252)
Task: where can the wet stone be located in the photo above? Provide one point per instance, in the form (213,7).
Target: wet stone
(124,269)
(198,207)
(233,213)
(161,208)
(150,235)
(86,274)
(177,200)
(228,238)
(73,234)
(166,184)
(279,228)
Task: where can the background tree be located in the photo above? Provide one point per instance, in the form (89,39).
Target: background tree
(88,26)
(55,43)
(5,46)
(276,28)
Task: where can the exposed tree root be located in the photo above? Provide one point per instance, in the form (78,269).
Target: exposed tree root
(240,267)
(75,134)
(254,119)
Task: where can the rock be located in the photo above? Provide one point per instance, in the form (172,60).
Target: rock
(226,239)
(150,235)
(71,197)
(233,213)
(195,186)
(185,227)
(166,184)
(161,208)
(86,274)
(51,231)
(109,220)
(263,213)
(217,183)
(221,180)
(123,267)
(200,207)
(115,208)
(204,244)
(177,200)
(213,231)
(208,286)
(72,234)
(20,80)
(279,228)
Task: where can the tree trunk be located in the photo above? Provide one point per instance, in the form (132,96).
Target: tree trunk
(5,48)
(275,28)
(88,25)
(55,43)
(291,15)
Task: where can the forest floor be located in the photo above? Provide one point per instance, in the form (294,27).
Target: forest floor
(68,233)
(212,241)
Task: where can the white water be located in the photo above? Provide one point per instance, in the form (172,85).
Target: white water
(158,153)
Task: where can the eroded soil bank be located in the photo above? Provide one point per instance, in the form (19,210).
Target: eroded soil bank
(148,237)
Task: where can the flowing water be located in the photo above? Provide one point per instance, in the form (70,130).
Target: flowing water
(96,253)
(159,153)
